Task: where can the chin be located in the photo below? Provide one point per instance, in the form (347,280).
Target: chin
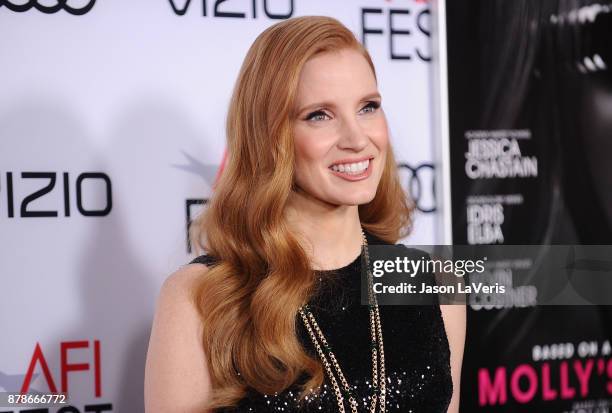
(355,199)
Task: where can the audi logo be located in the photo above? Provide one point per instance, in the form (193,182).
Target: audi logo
(420,185)
(60,5)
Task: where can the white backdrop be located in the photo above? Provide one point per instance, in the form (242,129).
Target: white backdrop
(115,110)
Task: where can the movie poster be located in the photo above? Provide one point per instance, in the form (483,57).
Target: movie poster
(530,127)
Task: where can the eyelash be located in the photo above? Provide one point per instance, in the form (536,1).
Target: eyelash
(313,115)
(371,105)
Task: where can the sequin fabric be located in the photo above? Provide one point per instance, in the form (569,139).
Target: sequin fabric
(417,356)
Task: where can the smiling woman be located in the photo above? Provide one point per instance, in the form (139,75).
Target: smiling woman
(270,318)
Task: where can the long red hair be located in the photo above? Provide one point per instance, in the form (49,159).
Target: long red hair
(248,301)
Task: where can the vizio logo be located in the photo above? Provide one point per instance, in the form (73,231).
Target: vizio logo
(277,10)
(68,189)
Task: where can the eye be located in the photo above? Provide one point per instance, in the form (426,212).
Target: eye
(318,115)
(370,107)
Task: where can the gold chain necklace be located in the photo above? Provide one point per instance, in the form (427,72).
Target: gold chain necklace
(342,389)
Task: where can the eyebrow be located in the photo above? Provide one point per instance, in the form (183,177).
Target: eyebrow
(370,96)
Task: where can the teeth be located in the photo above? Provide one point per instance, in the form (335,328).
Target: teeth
(355,168)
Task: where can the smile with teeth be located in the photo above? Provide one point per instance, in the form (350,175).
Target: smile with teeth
(355,168)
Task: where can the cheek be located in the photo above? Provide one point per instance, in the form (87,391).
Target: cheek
(379,134)
(310,149)
(382,141)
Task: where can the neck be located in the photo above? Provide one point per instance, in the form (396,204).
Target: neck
(330,234)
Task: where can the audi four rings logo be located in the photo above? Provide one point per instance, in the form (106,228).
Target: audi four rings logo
(54,8)
(420,184)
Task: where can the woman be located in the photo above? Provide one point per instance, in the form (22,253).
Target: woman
(270,318)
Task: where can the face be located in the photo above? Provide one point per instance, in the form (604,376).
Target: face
(340,130)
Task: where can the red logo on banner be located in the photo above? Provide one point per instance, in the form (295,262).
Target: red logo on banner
(38,358)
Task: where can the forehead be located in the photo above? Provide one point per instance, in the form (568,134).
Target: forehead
(344,73)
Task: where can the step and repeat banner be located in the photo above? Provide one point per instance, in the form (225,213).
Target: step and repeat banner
(530,117)
(111,134)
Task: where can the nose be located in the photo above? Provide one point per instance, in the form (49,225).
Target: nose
(352,135)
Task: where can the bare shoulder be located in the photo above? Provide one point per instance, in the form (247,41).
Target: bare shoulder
(176,373)
(454,316)
(182,281)
(454,313)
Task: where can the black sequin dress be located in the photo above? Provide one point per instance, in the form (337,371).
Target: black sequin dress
(417,355)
